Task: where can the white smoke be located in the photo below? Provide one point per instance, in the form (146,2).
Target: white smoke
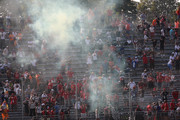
(54,19)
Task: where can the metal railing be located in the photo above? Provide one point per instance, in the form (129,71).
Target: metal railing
(138,115)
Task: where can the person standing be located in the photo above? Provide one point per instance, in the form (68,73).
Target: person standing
(5,109)
(26,106)
(145,61)
(13,102)
(162,41)
(2,45)
(32,107)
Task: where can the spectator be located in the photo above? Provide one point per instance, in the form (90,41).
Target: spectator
(177,63)
(145,61)
(26,106)
(62,115)
(175,95)
(83,111)
(162,41)
(141,86)
(5,109)
(151,61)
(150,81)
(143,17)
(177,47)
(149,111)
(131,84)
(13,102)
(172,34)
(169,64)
(164,94)
(138,113)
(38,110)
(152,31)
(28,91)
(5,51)
(89,60)
(2,42)
(94,57)
(134,64)
(178,13)
(165,110)
(32,107)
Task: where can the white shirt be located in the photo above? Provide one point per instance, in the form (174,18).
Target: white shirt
(151,29)
(77,105)
(170,62)
(145,37)
(18,91)
(162,32)
(5,52)
(171,58)
(94,56)
(3,34)
(92,77)
(44,95)
(16,84)
(131,85)
(144,75)
(99,41)
(38,108)
(177,47)
(172,77)
(87,41)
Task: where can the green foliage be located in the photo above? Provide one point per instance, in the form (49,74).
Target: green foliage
(127,7)
(157,7)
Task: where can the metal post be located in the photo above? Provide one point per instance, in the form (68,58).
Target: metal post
(22,98)
(76,100)
(130,104)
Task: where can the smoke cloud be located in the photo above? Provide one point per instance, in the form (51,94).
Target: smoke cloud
(54,19)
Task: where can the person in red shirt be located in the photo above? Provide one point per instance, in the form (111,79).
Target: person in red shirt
(53,101)
(112,48)
(159,80)
(83,111)
(172,105)
(37,76)
(79,86)
(16,76)
(175,95)
(59,87)
(145,61)
(62,115)
(172,108)
(48,112)
(70,74)
(178,13)
(167,80)
(165,110)
(150,80)
(66,98)
(59,77)
(50,86)
(52,113)
(149,111)
(13,102)
(73,92)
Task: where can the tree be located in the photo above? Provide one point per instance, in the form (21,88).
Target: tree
(154,8)
(127,7)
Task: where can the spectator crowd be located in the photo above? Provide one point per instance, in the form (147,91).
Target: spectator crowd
(104,43)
